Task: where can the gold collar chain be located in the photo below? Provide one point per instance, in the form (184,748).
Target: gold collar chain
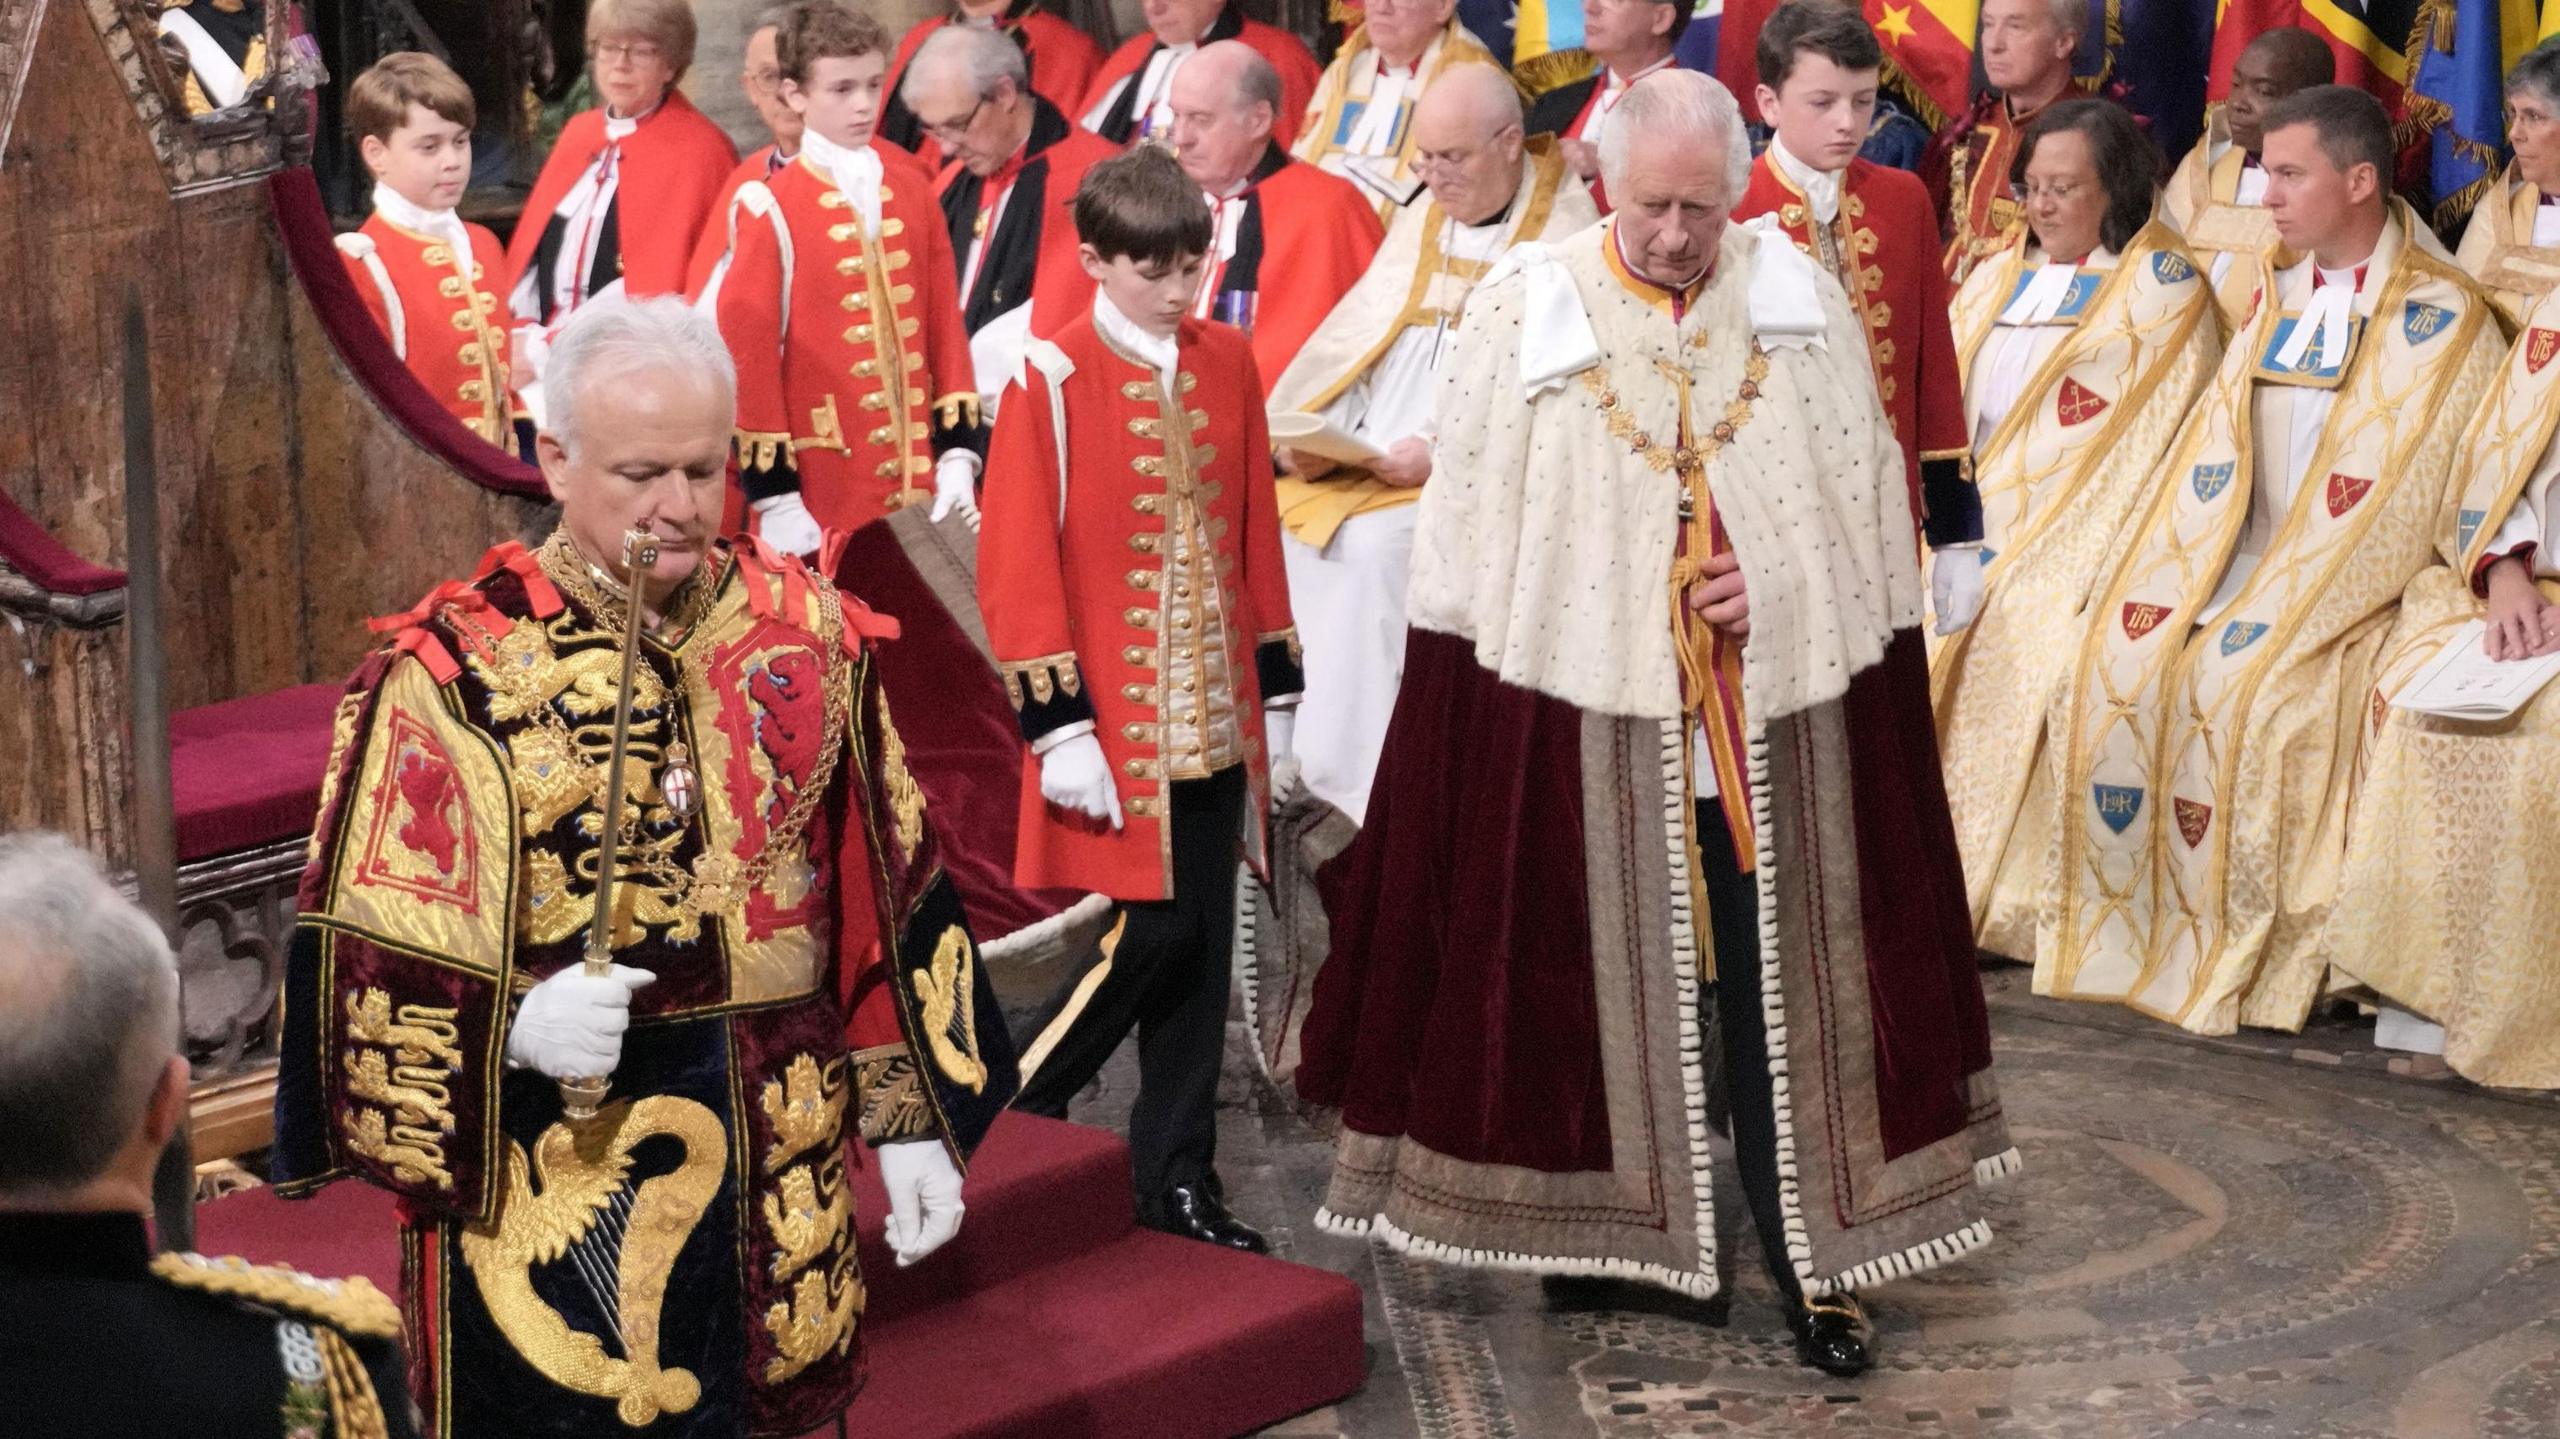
(1692,457)
(604,596)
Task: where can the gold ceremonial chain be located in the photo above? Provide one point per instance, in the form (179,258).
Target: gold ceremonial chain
(605,596)
(1685,459)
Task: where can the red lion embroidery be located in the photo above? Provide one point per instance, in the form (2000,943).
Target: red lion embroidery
(429,788)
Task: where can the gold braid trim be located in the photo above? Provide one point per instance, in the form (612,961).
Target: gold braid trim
(351,1304)
(355,1410)
(958,410)
(760,449)
(1041,677)
(891,1103)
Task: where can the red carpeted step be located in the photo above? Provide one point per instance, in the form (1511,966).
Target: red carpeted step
(1150,1335)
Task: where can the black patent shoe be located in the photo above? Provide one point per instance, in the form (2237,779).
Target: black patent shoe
(1831,1335)
(1192,1211)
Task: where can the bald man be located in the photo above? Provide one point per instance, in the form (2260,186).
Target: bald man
(1360,124)
(1273,215)
(1372,372)
(2218,197)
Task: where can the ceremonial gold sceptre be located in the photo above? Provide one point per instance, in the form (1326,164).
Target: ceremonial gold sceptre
(580,1096)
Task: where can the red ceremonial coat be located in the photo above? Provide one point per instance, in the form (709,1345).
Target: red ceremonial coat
(1298,70)
(1032,246)
(713,242)
(841,344)
(1089,612)
(1062,58)
(1309,237)
(444,324)
(673,168)
(1882,249)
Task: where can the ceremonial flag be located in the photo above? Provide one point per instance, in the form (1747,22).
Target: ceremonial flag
(1544,26)
(2369,37)
(1928,52)
(2459,95)
(1738,47)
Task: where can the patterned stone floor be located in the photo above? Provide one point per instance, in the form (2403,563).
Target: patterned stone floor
(2260,1236)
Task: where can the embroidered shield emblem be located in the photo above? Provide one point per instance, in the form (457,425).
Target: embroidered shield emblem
(2423,322)
(421,841)
(2117,804)
(2344,491)
(2076,403)
(2192,819)
(2170,269)
(2239,635)
(2140,619)
(2210,481)
(2467,524)
(2539,346)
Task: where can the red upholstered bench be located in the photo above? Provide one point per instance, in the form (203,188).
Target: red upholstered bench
(246,772)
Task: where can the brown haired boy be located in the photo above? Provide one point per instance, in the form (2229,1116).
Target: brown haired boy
(1130,575)
(841,302)
(421,269)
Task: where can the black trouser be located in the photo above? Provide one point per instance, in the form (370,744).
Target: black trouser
(1733,918)
(1167,967)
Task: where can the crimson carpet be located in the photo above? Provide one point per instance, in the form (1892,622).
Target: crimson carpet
(1052,1313)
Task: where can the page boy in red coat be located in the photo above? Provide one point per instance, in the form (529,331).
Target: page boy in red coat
(422,270)
(1129,570)
(841,306)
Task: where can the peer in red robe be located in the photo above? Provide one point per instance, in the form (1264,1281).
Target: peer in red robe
(1013,236)
(1130,99)
(1063,61)
(1290,242)
(662,171)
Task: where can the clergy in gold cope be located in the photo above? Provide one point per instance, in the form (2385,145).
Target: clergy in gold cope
(743,926)
(2217,200)
(2084,345)
(2206,730)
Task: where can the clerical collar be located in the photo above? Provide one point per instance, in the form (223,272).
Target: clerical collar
(1128,337)
(1821,187)
(854,169)
(619,127)
(443,225)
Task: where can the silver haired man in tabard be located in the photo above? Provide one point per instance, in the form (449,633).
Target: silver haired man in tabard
(1510,1020)
(99,1337)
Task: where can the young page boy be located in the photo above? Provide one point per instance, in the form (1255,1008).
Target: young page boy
(421,269)
(1129,570)
(841,305)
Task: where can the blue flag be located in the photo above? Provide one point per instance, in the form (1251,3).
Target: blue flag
(2162,52)
(2459,94)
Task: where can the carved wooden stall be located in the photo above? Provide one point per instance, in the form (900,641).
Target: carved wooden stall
(304,484)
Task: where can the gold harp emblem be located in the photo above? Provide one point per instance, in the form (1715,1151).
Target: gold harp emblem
(949,994)
(619,1240)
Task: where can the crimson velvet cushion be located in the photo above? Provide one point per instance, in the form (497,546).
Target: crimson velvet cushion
(246,772)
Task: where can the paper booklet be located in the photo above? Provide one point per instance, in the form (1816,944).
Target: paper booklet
(1298,430)
(2463,683)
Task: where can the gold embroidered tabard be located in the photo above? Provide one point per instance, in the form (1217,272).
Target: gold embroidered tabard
(398,1075)
(2201,204)
(808,1213)
(2060,476)
(2204,761)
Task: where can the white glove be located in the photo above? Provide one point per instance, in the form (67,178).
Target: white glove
(1955,586)
(1279,730)
(924,1197)
(786,524)
(570,1025)
(1074,775)
(955,486)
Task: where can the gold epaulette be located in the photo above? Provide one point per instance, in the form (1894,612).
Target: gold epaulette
(1553,71)
(351,1305)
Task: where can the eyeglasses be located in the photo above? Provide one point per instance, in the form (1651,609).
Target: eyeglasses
(765,81)
(638,52)
(2060,192)
(954,129)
